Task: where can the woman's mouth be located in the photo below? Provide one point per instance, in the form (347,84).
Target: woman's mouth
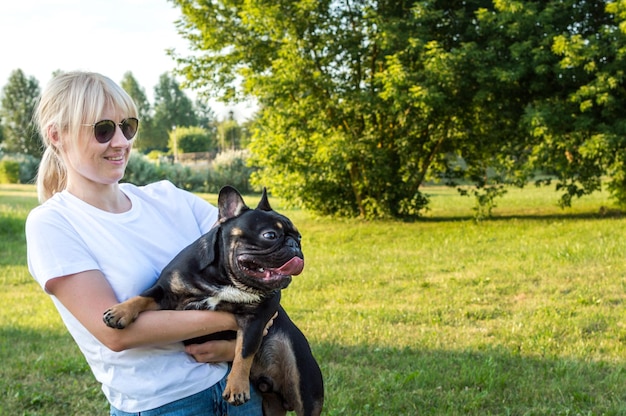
(119,158)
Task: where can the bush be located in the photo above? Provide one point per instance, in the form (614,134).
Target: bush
(141,171)
(191,139)
(27,168)
(9,171)
(230,167)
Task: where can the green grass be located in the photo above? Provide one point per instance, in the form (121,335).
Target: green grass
(522,314)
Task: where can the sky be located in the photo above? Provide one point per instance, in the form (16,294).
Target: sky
(111,37)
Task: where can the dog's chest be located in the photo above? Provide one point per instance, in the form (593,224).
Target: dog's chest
(228,294)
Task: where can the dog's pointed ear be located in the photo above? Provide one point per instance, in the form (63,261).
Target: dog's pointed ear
(264,204)
(206,254)
(230,203)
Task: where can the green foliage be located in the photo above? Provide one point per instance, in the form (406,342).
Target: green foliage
(28,166)
(191,139)
(485,199)
(363,102)
(172,109)
(9,171)
(323,140)
(229,135)
(19,98)
(227,168)
(230,167)
(137,93)
(146,119)
(141,170)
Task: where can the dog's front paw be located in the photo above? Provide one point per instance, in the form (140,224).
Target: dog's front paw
(236,392)
(117,318)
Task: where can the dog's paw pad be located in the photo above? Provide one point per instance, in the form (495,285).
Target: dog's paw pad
(236,398)
(112,320)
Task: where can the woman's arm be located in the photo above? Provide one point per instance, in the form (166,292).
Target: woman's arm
(87,295)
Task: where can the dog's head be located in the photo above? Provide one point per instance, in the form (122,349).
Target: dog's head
(262,247)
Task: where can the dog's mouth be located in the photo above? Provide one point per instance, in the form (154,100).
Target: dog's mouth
(269,274)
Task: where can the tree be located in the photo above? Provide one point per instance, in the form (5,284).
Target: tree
(146,121)
(327,139)
(172,108)
(580,129)
(229,134)
(205,115)
(363,101)
(19,99)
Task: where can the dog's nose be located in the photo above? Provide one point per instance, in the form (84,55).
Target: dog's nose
(292,242)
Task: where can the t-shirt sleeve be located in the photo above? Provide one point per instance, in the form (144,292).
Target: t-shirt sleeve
(205,213)
(54,249)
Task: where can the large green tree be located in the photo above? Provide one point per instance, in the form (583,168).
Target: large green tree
(19,98)
(579,127)
(362,100)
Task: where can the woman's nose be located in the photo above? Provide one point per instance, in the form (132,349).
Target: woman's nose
(118,139)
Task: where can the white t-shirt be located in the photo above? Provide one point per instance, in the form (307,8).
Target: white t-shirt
(65,235)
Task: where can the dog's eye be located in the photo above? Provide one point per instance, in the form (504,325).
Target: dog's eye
(270,235)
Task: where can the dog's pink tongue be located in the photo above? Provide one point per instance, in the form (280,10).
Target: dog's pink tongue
(292,267)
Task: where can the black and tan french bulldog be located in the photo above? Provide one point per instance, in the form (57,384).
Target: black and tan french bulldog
(241,266)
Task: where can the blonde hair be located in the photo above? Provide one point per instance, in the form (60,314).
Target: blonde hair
(70,100)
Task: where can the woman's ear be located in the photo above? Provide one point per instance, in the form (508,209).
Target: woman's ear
(54,136)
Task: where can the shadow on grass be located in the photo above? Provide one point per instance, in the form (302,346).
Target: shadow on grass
(534,217)
(43,373)
(367,380)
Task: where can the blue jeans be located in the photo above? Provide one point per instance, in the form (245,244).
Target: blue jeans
(206,403)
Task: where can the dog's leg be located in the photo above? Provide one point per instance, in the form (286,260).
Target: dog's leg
(237,390)
(248,341)
(123,314)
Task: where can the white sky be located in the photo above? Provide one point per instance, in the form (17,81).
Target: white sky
(106,36)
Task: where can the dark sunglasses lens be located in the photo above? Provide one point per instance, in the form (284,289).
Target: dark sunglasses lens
(129,127)
(104,130)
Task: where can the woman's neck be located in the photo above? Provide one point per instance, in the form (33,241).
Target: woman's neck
(108,198)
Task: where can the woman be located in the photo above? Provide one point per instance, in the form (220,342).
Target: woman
(94,242)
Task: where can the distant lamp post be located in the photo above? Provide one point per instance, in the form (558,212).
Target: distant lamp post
(175,140)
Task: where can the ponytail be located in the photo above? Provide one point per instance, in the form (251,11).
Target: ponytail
(52,175)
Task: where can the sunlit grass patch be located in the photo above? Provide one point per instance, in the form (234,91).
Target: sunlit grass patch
(521,314)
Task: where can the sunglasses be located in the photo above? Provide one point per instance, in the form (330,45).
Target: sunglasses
(104,130)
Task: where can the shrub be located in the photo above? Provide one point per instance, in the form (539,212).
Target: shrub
(9,171)
(141,171)
(230,167)
(191,139)
(27,167)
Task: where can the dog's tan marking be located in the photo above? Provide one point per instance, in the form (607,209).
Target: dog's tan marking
(123,314)
(237,390)
(278,363)
(236,231)
(177,282)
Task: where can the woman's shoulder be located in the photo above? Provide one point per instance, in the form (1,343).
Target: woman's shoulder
(51,210)
(156,189)
(56,214)
(161,192)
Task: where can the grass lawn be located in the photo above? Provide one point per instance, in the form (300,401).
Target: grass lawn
(522,314)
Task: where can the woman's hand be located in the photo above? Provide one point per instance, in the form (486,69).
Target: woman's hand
(219,351)
(212,351)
